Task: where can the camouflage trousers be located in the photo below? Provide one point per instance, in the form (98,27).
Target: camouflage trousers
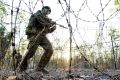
(48,51)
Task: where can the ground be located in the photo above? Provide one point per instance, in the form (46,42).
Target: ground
(59,74)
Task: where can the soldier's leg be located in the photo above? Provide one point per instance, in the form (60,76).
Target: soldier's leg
(48,51)
(31,51)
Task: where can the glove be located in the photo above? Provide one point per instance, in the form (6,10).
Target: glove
(52,28)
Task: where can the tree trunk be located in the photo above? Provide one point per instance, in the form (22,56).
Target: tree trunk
(113,51)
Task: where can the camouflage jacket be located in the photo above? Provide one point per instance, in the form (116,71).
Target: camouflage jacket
(37,22)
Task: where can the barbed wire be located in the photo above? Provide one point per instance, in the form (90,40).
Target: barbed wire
(93,13)
(85,3)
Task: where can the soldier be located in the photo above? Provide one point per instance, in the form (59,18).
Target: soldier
(39,25)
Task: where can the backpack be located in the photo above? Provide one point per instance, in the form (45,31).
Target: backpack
(32,25)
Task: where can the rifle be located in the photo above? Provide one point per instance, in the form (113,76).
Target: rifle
(48,21)
(62,26)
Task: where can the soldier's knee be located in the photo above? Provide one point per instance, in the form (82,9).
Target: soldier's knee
(48,49)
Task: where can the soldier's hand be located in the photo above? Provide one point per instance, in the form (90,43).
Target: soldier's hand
(54,27)
(51,29)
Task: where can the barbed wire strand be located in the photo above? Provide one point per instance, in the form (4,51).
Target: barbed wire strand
(98,14)
(35,5)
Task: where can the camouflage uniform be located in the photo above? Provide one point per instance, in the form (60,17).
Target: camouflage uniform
(36,24)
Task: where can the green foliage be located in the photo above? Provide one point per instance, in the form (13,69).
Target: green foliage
(2,9)
(114,33)
(8,36)
(2,15)
(2,31)
(116,2)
